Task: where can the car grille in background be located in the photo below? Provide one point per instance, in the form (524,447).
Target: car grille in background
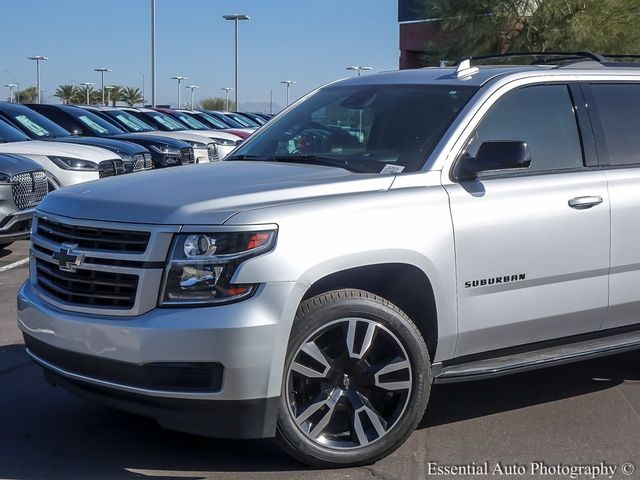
(187,156)
(29,188)
(110,168)
(87,287)
(93,238)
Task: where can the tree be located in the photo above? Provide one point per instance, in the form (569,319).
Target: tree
(65,93)
(216,104)
(115,94)
(28,95)
(131,96)
(477,27)
(80,95)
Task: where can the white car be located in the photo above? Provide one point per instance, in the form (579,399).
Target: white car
(64,163)
(165,123)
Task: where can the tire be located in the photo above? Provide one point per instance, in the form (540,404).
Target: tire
(356,383)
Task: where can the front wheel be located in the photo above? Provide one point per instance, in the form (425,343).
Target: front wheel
(356,383)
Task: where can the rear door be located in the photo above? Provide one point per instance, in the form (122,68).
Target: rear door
(532,246)
(615,115)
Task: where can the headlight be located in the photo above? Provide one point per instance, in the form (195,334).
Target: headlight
(148,161)
(197,144)
(67,163)
(4,178)
(165,150)
(224,141)
(202,265)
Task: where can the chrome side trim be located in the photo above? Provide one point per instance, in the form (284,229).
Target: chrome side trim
(118,386)
(547,357)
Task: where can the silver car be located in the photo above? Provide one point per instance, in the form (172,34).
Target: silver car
(383,233)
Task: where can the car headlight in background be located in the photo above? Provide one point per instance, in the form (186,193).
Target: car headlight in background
(197,144)
(148,161)
(201,266)
(5,179)
(67,163)
(224,141)
(165,150)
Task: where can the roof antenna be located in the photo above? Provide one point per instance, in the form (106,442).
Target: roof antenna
(465,69)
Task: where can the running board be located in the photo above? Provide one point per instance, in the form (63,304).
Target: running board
(546,357)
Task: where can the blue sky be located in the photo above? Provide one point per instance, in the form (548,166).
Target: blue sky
(309,41)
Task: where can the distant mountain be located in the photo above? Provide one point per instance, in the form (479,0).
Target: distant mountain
(258,107)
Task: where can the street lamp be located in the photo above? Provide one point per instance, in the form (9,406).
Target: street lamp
(179,78)
(38,59)
(359,68)
(102,70)
(11,87)
(226,99)
(153,54)
(192,87)
(86,86)
(109,88)
(235,18)
(288,83)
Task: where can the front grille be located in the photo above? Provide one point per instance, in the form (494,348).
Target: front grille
(110,168)
(87,287)
(29,188)
(187,156)
(93,238)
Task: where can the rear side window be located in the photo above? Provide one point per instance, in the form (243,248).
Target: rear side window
(542,116)
(619,110)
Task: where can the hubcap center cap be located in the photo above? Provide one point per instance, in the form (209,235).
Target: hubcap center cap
(344,381)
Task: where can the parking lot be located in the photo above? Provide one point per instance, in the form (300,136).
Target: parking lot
(575,415)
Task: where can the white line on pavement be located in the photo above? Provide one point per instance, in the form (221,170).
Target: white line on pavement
(14,265)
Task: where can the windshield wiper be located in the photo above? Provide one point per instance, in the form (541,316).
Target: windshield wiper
(311,159)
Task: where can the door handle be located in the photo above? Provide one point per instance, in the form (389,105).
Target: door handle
(582,203)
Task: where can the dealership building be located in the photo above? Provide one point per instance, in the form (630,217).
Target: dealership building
(415,32)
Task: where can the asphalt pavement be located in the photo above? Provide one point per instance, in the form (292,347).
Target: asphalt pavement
(584,414)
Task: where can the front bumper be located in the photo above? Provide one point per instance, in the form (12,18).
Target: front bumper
(248,339)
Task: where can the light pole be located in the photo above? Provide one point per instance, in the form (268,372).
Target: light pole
(38,59)
(226,98)
(235,18)
(288,83)
(86,87)
(359,68)
(109,88)
(11,87)
(179,78)
(102,70)
(153,53)
(192,88)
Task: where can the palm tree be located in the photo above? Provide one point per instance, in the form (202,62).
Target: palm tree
(28,95)
(115,94)
(131,96)
(65,93)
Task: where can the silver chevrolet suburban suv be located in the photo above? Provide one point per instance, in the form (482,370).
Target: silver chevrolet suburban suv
(384,233)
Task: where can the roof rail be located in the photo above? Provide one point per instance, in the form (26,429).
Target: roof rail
(572,57)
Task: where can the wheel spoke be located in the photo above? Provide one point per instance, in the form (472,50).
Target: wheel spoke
(390,368)
(311,349)
(326,407)
(361,406)
(366,341)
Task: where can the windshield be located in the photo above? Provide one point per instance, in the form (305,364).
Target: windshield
(191,122)
(129,122)
(96,124)
(165,122)
(383,128)
(213,121)
(230,122)
(11,134)
(36,125)
(243,121)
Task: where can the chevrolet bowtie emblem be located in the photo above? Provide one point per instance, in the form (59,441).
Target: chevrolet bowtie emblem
(67,260)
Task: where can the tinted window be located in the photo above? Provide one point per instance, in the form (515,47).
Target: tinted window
(619,109)
(213,121)
(34,124)
(544,118)
(379,128)
(11,134)
(95,124)
(60,118)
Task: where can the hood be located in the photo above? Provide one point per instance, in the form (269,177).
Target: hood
(62,149)
(117,146)
(206,194)
(12,164)
(144,139)
(216,134)
(184,135)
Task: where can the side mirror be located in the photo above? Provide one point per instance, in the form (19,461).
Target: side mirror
(503,155)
